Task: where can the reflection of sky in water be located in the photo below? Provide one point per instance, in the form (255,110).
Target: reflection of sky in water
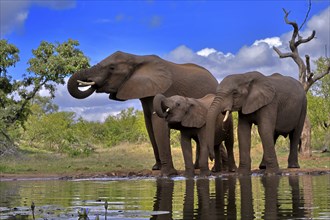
(305,196)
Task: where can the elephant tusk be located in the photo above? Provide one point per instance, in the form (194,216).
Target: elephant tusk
(167,110)
(226,116)
(82,83)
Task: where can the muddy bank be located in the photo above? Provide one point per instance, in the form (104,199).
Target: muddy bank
(145,173)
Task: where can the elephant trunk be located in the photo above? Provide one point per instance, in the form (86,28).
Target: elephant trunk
(80,79)
(159,107)
(211,120)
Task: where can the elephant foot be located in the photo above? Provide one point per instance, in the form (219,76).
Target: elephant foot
(244,171)
(204,173)
(272,171)
(224,168)
(232,168)
(169,172)
(189,173)
(216,169)
(196,166)
(157,166)
(294,165)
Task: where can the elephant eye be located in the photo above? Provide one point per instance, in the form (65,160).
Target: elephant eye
(177,104)
(111,67)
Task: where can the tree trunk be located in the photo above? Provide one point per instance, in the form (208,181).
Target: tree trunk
(305,145)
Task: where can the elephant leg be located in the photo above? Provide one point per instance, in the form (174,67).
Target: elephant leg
(244,145)
(162,137)
(229,143)
(204,154)
(266,133)
(262,165)
(293,155)
(295,140)
(196,165)
(148,121)
(217,158)
(223,157)
(187,155)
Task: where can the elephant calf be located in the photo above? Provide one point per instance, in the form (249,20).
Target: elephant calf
(189,116)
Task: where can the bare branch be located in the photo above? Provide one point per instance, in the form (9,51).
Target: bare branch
(282,55)
(308,68)
(316,77)
(301,40)
(293,24)
(309,9)
(308,64)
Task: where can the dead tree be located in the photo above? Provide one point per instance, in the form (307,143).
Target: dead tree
(306,76)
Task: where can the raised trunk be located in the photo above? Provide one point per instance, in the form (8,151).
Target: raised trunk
(73,85)
(305,145)
(158,105)
(211,119)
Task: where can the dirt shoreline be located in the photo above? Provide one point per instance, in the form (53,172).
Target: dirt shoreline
(142,174)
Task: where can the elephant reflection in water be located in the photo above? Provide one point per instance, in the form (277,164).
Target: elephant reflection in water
(164,198)
(270,185)
(300,199)
(208,207)
(272,208)
(222,204)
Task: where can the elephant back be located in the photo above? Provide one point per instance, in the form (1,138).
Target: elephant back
(192,81)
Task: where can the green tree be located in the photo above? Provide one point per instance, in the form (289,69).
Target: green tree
(322,87)
(48,129)
(319,106)
(50,64)
(127,126)
(8,57)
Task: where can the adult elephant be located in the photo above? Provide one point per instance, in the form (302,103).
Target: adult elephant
(276,104)
(188,115)
(126,76)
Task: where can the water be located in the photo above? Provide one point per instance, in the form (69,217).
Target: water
(226,197)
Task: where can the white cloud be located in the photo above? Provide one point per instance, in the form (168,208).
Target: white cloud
(272,41)
(206,52)
(13,14)
(183,54)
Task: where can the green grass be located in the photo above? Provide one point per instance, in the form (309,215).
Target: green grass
(125,158)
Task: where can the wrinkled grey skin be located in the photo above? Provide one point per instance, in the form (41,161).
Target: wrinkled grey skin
(188,115)
(126,76)
(276,104)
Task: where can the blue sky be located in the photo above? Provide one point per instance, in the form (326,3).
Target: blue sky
(223,36)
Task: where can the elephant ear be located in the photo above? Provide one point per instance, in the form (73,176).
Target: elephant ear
(261,93)
(195,117)
(148,80)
